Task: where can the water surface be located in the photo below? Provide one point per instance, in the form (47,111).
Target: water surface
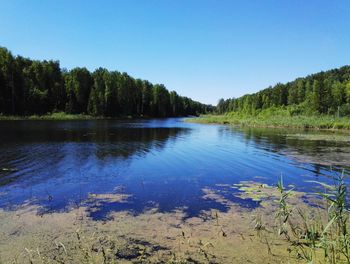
(157,163)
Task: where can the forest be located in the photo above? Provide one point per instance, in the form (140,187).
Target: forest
(33,87)
(323,93)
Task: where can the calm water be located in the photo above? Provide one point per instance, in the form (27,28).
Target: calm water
(163,163)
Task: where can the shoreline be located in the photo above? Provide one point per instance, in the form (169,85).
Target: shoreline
(71,117)
(321,123)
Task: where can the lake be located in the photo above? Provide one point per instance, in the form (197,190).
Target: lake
(158,163)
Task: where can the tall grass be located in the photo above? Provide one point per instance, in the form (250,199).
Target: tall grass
(284,210)
(324,236)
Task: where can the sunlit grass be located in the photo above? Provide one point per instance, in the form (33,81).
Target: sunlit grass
(322,237)
(52,116)
(276,120)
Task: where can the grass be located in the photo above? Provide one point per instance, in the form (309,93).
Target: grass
(278,118)
(323,238)
(65,116)
(51,116)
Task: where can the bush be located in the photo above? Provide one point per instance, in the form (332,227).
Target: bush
(344,110)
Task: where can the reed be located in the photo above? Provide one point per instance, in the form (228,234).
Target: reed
(322,237)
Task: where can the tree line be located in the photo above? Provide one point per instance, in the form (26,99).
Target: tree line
(326,92)
(30,87)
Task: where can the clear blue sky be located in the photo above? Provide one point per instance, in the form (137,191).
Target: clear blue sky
(202,49)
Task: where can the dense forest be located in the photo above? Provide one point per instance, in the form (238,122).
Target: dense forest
(32,87)
(321,93)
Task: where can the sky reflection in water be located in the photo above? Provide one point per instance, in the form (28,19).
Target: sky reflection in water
(163,163)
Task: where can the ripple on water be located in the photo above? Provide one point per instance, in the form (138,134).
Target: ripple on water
(162,163)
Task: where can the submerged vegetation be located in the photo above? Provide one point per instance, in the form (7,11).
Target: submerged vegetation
(283,230)
(31,87)
(317,232)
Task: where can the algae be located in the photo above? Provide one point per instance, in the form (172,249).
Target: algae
(150,237)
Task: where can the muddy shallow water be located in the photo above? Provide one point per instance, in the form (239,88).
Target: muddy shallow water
(155,190)
(152,236)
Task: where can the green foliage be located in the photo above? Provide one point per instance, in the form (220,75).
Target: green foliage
(321,93)
(284,211)
(316,237)
(50,116)
(290,116)
(30,87)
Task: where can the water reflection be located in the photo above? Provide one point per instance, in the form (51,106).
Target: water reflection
(317,149)
(164,164)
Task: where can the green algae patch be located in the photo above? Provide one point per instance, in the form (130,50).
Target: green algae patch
(108,197)
(261,192)
(254,190)
(333,137)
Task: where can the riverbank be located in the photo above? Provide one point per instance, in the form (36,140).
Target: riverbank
(61,116)
(52,116)
(299,121)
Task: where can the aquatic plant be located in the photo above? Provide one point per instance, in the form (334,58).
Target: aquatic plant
(321,236)
(284,211)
